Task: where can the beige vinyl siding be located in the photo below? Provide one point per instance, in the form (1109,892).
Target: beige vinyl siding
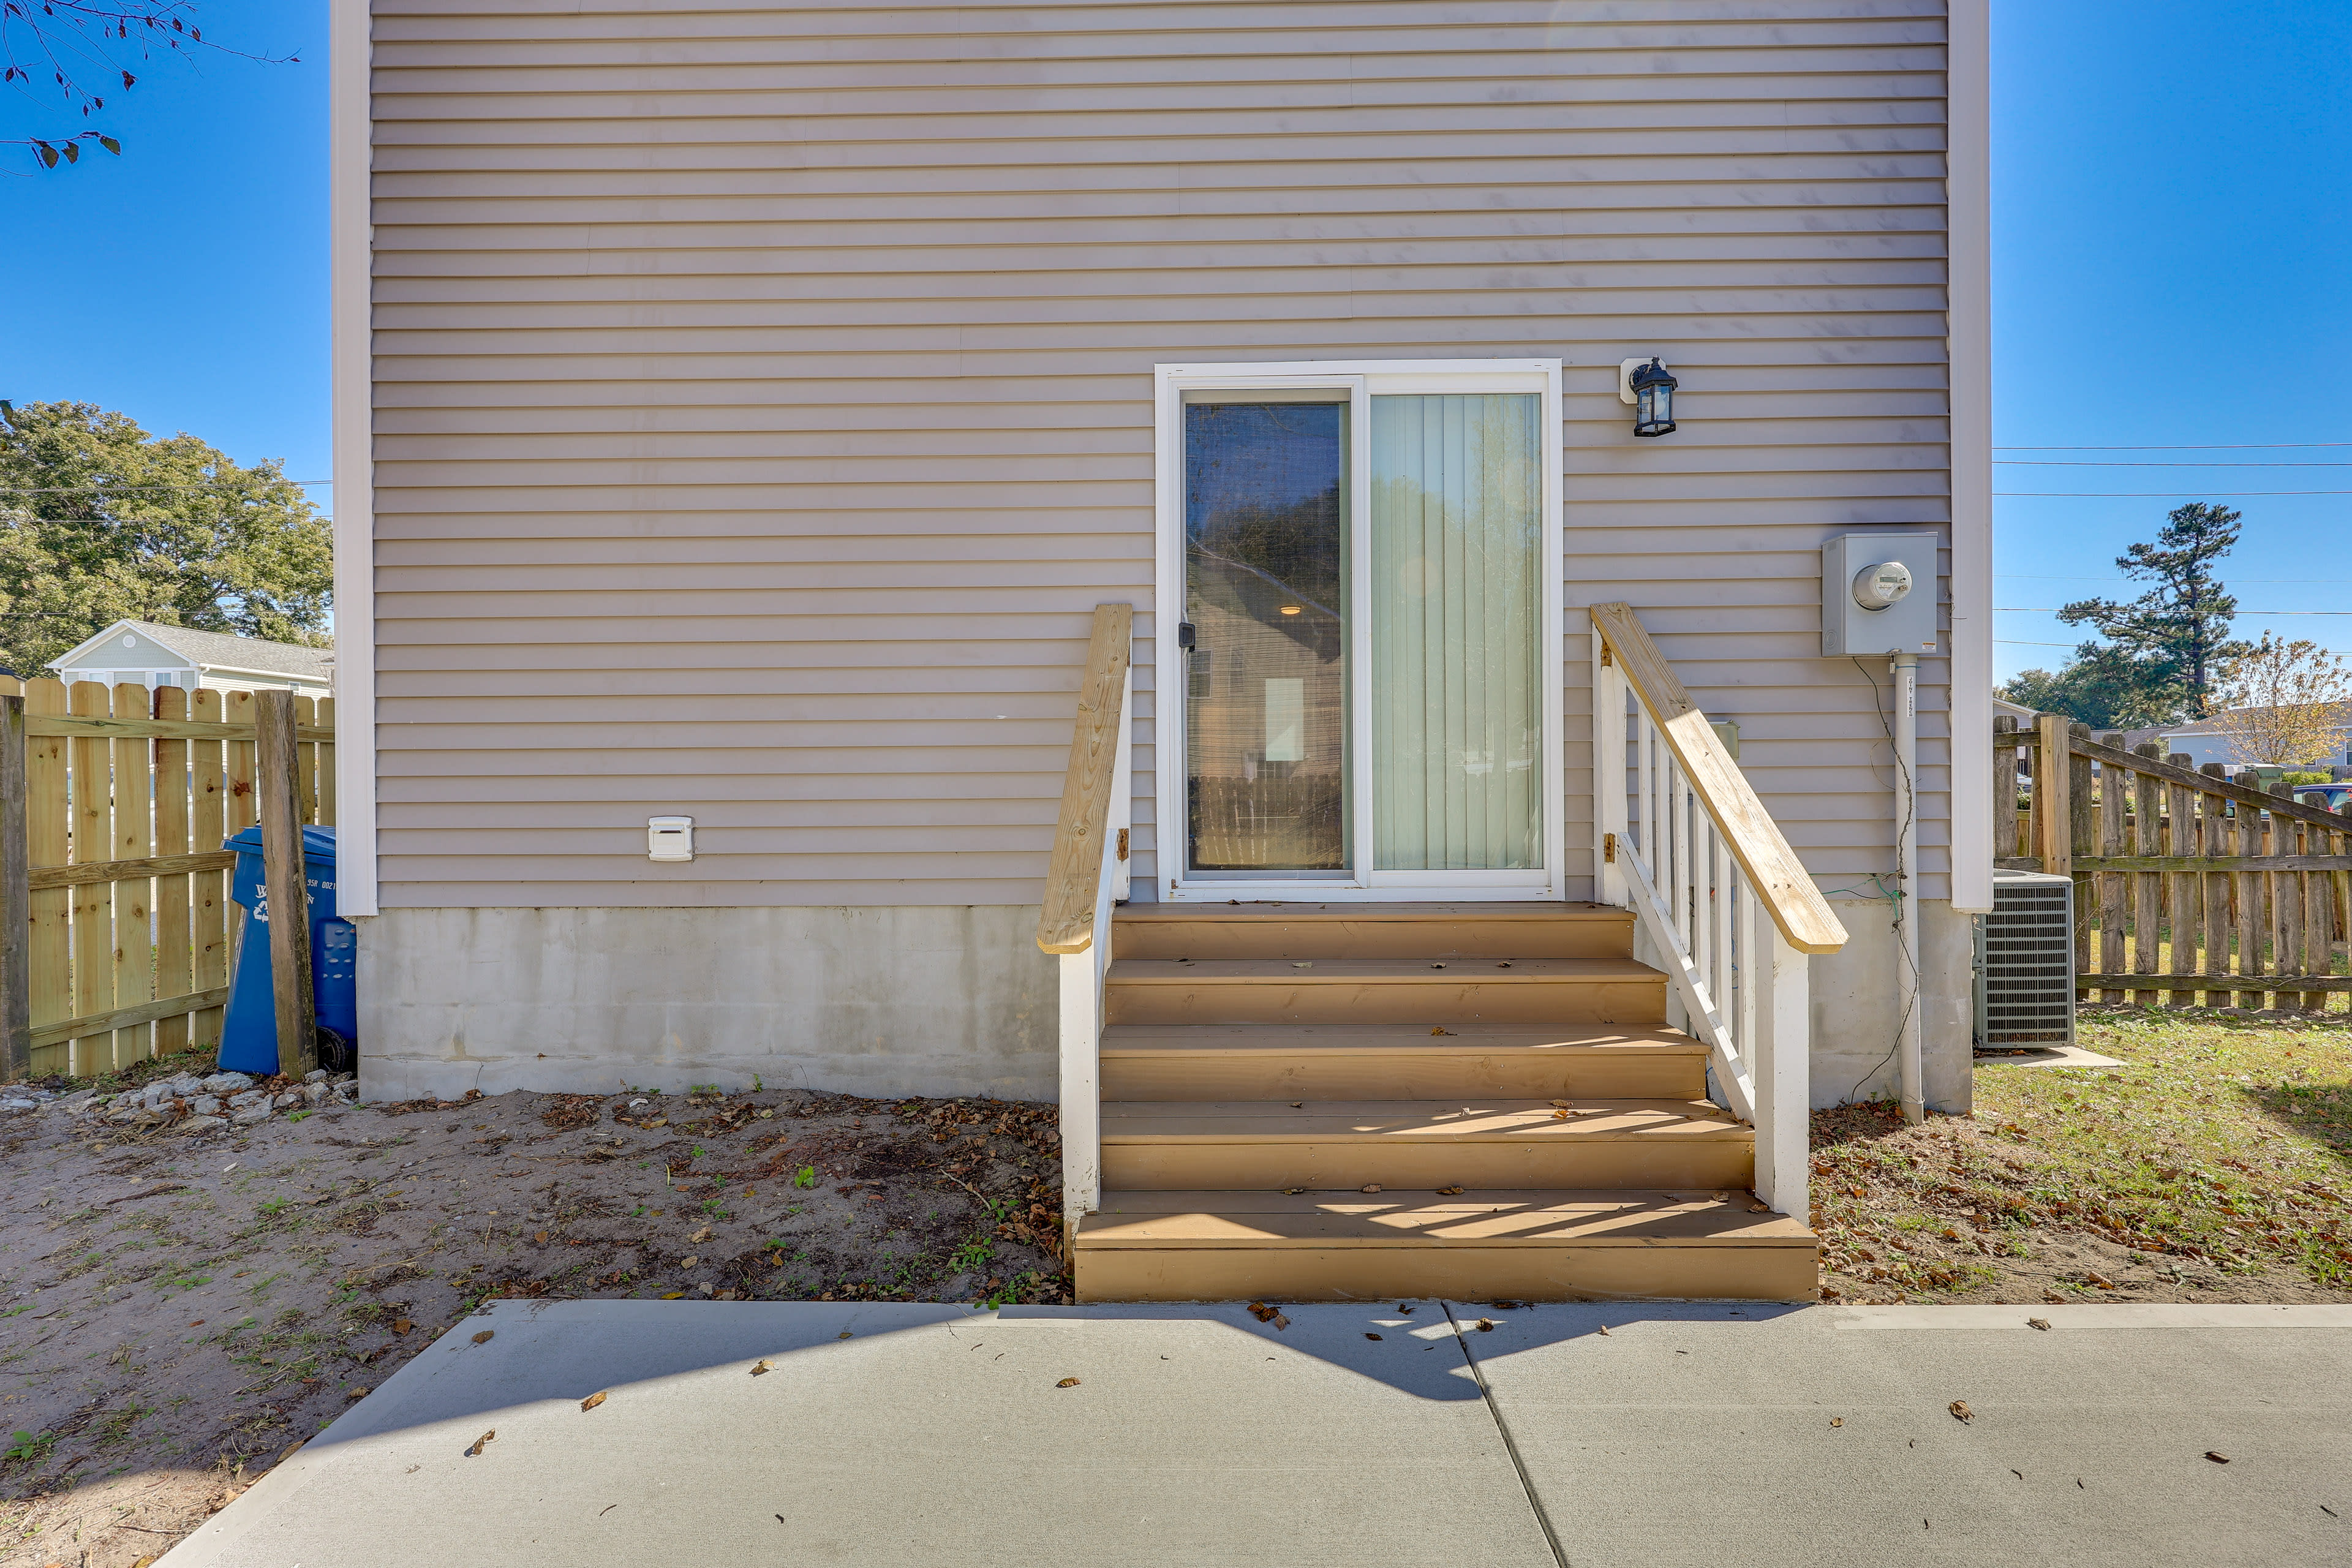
(763,392)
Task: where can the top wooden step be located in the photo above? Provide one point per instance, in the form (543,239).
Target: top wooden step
(1270,930)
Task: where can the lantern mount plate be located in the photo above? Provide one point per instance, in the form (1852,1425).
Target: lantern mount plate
(1625,369)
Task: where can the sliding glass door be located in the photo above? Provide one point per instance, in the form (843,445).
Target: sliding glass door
(1367,631)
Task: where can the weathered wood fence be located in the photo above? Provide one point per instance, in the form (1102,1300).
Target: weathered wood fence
(126,797)
(2186,883)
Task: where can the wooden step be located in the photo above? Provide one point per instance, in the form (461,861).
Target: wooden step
(1259,1144)
(1539,1245)
(1439,993)
(1205,933)
(1397,1061)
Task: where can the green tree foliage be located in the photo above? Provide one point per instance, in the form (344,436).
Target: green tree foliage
(2104,688)
(2180,627)
(100,521)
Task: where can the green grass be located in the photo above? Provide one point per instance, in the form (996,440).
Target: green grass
(2224,1143)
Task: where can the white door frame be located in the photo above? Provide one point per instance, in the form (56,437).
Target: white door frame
(1362,379)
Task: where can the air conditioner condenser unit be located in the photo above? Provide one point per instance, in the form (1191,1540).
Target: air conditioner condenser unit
(2025,964)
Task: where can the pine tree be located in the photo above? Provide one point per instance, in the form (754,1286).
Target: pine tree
(2179,629)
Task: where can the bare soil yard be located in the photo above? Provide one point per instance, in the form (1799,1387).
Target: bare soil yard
(177,1310)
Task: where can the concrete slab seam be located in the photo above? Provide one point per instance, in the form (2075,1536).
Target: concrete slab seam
(1510,1445)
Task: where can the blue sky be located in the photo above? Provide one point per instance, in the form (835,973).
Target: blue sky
(2171,246)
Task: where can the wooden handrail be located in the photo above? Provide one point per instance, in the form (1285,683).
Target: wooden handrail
(1779,878)
(1073,878)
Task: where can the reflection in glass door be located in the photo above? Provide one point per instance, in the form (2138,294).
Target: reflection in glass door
(1267,526)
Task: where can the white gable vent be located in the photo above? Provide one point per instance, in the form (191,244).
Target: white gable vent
(2025,964)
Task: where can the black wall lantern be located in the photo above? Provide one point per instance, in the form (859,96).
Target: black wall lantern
(1650,391)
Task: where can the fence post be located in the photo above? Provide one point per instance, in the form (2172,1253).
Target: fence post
(282,862)
(16,901)
(2052,792)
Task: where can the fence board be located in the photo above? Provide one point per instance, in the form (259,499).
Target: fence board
(48,839)
(90,760)
(174,971)
(208,890)
(2147,794)
(327,764)
(134,897)
(236,708)
(2185,900)
(2114,786)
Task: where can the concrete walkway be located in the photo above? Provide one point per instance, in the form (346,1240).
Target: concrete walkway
(1699,1435)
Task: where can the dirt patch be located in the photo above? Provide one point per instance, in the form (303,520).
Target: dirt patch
(177,1311)
(2214,1165)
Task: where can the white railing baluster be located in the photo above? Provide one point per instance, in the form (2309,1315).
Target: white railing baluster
(1721,899)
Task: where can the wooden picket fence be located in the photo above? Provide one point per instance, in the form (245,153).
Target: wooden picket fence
(127,797)
(2187,885)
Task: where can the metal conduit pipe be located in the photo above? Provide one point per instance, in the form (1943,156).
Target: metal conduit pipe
(1908,1066)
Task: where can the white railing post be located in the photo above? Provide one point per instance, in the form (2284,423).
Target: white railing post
(1783,1084)
(1081,983)
(1608,815)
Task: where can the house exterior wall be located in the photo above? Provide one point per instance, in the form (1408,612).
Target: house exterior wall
(762,397)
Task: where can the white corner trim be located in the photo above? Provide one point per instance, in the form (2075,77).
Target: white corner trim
(1967,194)
(352,379)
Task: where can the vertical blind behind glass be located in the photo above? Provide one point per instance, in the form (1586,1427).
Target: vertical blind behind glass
(1457,614)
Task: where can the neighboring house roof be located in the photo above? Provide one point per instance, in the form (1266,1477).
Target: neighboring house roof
(2229,722)
(218,650)
(2017,710)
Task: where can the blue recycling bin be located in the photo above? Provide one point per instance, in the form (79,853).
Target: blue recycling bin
(249,1037)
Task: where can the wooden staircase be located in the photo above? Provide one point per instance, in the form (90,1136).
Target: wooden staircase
(1352,1101)
(1500,1076)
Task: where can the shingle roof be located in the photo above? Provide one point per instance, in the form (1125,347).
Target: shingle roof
(221,650)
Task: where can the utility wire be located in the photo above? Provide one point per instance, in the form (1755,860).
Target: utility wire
(2190,447)
(2046,610)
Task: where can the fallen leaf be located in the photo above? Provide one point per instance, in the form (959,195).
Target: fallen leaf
(1759,1208)
(672,1295)
(2217,1459)
(1371,1336)
(702,1234)
(1280,1321)
(761,1367)
(2042,1323)
(1837,1420)
(480,1443)
(1261,1311)
(592,1401)
(401,1325)
(1604,1328)
(541,1237)
(355,1393)
(1437,1031)
(1292,1192)
(1067,1383)
(1297,1105)
(291,1450)
(1370,1188)
(1559,1116)
(1562,1104)
(687,1262)
(1960,1411)
(485,1336)
(1486,1325)
(843,1335)
(1449,1192)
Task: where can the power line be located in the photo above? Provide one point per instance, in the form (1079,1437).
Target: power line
(2062,577)
(2190,447)
(2073,463)
(2042,610)
(2165,495)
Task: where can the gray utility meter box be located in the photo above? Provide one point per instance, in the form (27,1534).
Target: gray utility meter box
(1878,594)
